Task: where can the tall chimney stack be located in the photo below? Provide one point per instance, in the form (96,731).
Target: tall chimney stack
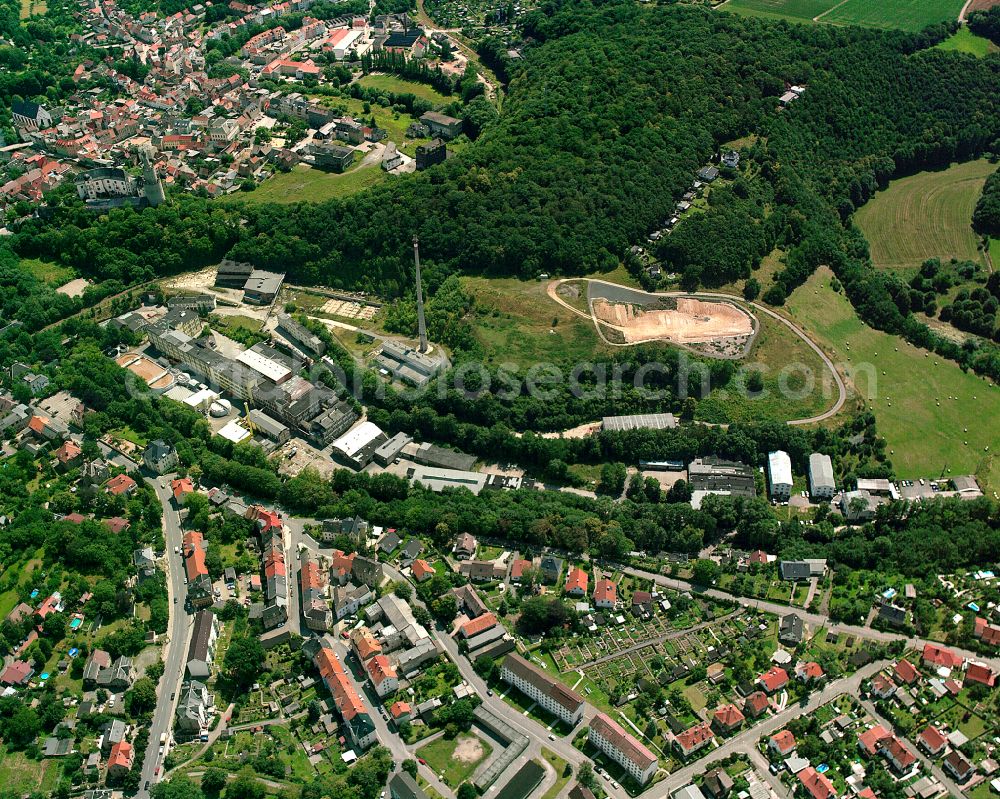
(421,325)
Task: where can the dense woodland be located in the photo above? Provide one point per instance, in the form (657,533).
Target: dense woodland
(986,217)
(590,153)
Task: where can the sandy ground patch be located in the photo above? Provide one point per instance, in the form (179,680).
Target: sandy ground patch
(350,310)
(691,322)
(156,376)
(469,750)
(74,288)
(981,5)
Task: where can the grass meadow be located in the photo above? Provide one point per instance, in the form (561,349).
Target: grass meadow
(965,41)
(926,215)
(312,185)
(929,411)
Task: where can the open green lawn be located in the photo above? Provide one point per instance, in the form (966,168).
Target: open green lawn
(391,83)
(995,252)
(563,773)
(393,122)
(48,272)
(926,215)
(965,41)
(903,386)
(775,349)
(21,775)
(908,15)
(312,185)
(455,759)
(517,322)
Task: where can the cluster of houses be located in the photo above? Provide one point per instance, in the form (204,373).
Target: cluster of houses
(180,125)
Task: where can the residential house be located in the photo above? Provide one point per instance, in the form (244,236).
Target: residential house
(959,767)
(576,582)
(717,784)
(937,657)
(694,738)
(160,457)
(551,568)
(465,547)
(120,760)
(382,675)
(605,594)
(782,743)
(421,570)
(201,652)
(774,679)
(194,708)
(932,741)
(727,719)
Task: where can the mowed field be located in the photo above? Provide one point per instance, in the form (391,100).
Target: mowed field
(965,41)
(927,215)
(909,15)
(926,407)
(313,185)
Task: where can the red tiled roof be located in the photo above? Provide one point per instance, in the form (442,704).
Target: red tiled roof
(756,703)
(478,625)
(576,580)
(783,741)
(116,524)
(400,709)
(121,755)
(421,569)
(181,486)
(518,567)
(345,697)
(986,632)
(694,737)
(605,591)
(194,555)
(16,673)
(895,750)
(380,669)
(939,656)
(774,679)
(818,786)
(869,740)
(728,716)
(981,674)
(932,739)
(120,484)
(906,672)
(809,671)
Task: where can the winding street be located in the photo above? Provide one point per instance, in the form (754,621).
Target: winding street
(838,379)
(179,635)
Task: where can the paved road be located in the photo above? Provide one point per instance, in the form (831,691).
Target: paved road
(815,620)
(746,740)
(841,386)
(179,633)
(929,765)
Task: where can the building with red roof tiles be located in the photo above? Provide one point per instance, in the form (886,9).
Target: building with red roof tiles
(120,484)
(694,738)
(774,679)
(986,632)
(120,761)
(478,625)
(896,752)
(867,793)
(782,742)
(75,518)
(400,711)
(576,582)
(421,570)
(341,567)
(808,671)
(816,785)
(266,519)
(870,741)
(605,594)
(180,487)
(517,569)
(622,747)
(199,583)
(905,672)
(382,675)
(17,673)
(359,727)
(938,657)
(365,645)
(756,704)
(69,453)
(982,674)
(931,740)
(727,718)
(882,686)
(116,524)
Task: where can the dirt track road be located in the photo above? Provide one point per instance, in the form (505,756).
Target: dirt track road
(551,289)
